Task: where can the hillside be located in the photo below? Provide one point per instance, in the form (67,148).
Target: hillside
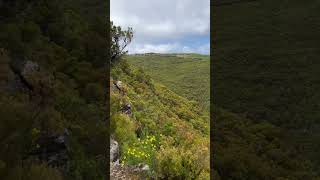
(266,66)
(52,78)
(161,129)
(242,148)
(187,75)
(246,150)
(270,55)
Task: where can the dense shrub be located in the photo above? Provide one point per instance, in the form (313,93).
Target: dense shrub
(65,93)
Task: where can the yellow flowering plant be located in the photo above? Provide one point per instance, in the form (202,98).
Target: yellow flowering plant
(141,151)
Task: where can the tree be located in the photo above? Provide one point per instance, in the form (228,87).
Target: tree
(120,39)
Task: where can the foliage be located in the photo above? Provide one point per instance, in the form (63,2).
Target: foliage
(142,151)
(35,172)
(177,72)
(120,39)
(167,131)
(265,68)
(248,150)
(66,93)
(243,148)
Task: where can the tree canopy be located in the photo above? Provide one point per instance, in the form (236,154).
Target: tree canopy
(120,39)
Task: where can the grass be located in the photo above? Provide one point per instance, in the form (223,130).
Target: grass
(187,75)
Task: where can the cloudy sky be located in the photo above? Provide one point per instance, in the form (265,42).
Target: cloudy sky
(165,26)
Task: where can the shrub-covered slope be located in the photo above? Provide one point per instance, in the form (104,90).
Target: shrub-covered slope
(266,61)
(52,79)
(246,150)
(164,130)
(186,74)
(266,66)
(242,148)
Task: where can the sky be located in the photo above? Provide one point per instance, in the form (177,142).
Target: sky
(165,26)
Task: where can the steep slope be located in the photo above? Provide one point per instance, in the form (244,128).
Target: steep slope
(155,126)
(52,80)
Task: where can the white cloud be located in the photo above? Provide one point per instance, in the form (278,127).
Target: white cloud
(168,48)
(155,21)
(159,48)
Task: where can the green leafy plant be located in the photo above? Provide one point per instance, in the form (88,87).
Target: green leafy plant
(141,151)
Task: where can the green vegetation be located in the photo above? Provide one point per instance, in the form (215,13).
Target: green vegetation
(165,130)
(266,70)
(119,41)
(187,75)
(52,80)
(243,148)
(273,71)
(141,152)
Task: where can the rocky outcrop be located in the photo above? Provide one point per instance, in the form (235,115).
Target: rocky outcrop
(126,109)
(119,86)
(114,150)
(19,75)
(52,148)
(31,77)
(29,68)
(116,170)
(140,168)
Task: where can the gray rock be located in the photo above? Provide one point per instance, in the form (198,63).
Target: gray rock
(114,87)
(29,68)
(118,85)
(145,168)
(126,109)
(52,148)
(114,150)
(26,73)
(140,168)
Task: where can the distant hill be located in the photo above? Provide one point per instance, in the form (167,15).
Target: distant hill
(185,74)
